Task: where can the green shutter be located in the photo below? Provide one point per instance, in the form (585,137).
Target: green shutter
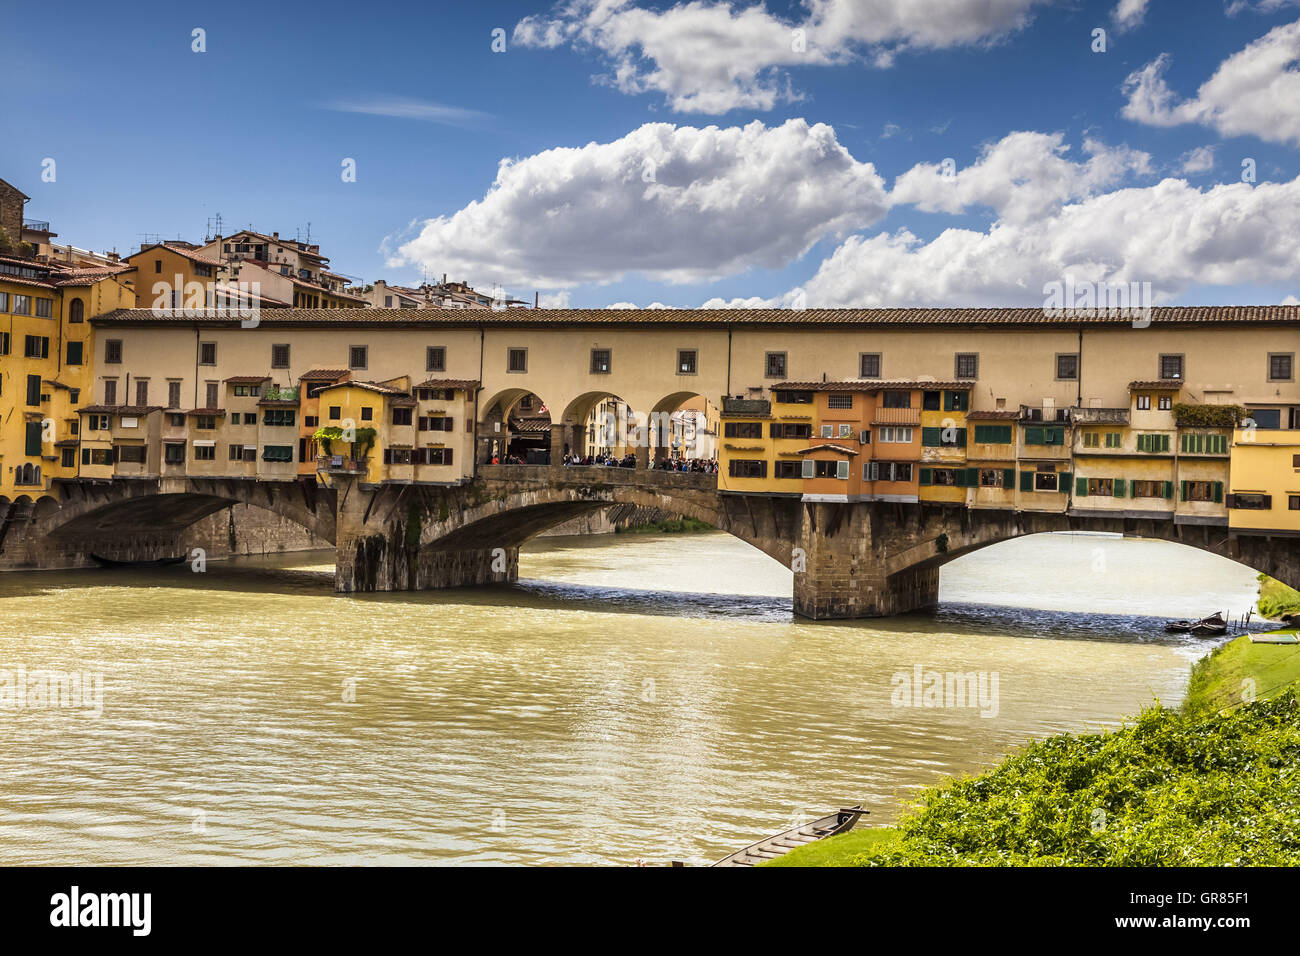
(85,456)
(1184,490)
(1063,481)
(1081,487)
(1168,489)
(931,437)
(1008,477)
(1033,435)
(1218,491)
(973,477)
(1164,443)
(926,474)
(947,401)
(33,439)
(1026,481)
(1119,488)
(981,434)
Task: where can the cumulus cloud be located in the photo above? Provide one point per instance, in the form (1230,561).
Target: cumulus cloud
(1259,6)
(1129,13)
(1022,176)
(1255,92)
(708,56)
(1199,160)
(673,203)
(1170,234)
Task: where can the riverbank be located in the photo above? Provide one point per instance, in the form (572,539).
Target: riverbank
(1207,784)
(668,526)
(1276,599)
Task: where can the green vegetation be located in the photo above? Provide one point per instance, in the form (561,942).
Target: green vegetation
(667,526)
(1210,784)
(1208,416)
(1276,599)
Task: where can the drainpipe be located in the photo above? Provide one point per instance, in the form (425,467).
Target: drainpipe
(728,395)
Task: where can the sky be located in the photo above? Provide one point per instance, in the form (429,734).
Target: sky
(629,152)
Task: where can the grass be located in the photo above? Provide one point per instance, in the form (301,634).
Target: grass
(1232,672)
(840,850)
(668,526)
(1213,783)
(1276,599)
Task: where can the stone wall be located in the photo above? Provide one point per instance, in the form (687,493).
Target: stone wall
(248,530)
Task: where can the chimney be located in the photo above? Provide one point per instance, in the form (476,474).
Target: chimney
(275,235)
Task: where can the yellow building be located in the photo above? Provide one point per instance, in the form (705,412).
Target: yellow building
(944,473)
(1265,480)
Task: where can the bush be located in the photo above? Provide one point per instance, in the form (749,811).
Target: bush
(1208,416)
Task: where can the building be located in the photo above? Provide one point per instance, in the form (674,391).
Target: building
(286,270)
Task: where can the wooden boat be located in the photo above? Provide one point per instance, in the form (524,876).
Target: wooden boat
(1211,626)
(158,563)
(1179,627)
(841,821)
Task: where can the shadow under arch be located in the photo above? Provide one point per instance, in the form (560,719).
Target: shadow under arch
(515,423)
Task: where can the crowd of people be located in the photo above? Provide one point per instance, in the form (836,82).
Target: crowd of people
(698,466)
(609,461)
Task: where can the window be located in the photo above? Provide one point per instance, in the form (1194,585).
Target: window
(1046,481)
(1067,366)
(142,391)
(33,390)
(36,346)
(397,456)
(1114,440)
(1251,501)
(176,421)
(279,417)
(686,363)
(132,454)
(22,305)
(250,418)
(516,360)
(896,399)
(4,301)
(789,430)
(931,401)
(600,361)
(357,356)
(1281,366)
(205,422)
(438,456)
(4,343)
(207,353)
(839,400)
(1101,486)
(112,351)
(279,356)
(277,453)
(742,430)
(1153,444)
(388,302)
(774,365)
(367,414)
(830,469)
(205,452)
(110,391)
(1293,502)
(1149,489)
(1165,402)
(75,350)
(401,416)
(789,469)
(76,311)
(435,358)
(44,308)
(434,423)
(336,412)
(211,395)
(943,437)
(1044,435)
(896,471)
(966,365)
(1171,366)
(311,421)
(828,431)
(157,266)
(794,398)
(869,365)
(943,476)
(994,477)
(845,430)
(994,435)
(33,441)
(68,457)
(746,468)
(894,433)
(1144,403)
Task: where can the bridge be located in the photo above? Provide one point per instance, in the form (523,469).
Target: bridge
(858,559)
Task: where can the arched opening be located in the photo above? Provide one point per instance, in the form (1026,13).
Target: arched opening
(76,311)
(515,429)
(691,424)
(600,428)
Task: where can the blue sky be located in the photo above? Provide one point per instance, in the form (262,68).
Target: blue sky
(150,137)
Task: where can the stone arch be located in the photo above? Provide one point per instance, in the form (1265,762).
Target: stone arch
(514,423)
(692,436)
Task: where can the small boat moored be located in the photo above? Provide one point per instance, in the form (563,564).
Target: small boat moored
(841,821)
(1211,626)
(158,563)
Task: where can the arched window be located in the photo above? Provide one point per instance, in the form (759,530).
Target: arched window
(36,477)
(77,311)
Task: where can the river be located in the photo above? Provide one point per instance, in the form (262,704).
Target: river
(635,697)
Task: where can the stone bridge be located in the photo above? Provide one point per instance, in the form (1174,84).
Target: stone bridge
(849,560)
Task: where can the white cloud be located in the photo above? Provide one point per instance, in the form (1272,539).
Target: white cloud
(708,56)
(753,302)
(1255,92)
(677,204)
(1022,176)
(1290,300)
(402,108)
(1129,13)
(1259,6)
(1199,160)
(555,300)
(1170,234)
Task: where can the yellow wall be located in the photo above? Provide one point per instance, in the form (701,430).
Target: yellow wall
(1264,462)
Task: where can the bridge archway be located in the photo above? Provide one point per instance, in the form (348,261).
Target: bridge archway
(514,424)
(692,420)
(600,423)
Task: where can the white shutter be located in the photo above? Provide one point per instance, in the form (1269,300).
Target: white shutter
(842,469)
(846,431)
(808,468)
(826,431)
(864,437)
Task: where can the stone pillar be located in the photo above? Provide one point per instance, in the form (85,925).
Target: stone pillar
(839,572)
(558,440)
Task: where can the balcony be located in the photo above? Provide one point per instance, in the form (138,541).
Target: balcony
(342,465)
(746,407)
(35,225)
(1099,416)
(896,416)
(1057,416)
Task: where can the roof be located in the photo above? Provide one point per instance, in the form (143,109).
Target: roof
(89,276)
(206,411)
(368,386)
(864,385)
(838,449)
(723,318)
(179,250)
(449,383)
(324,374)
(120,409)
(248,379)
(1172,384)
(992,415)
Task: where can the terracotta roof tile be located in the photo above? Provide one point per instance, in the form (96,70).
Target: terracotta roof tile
(839,449)
(1000,414)
(120,409)
(1171,384)
(449,383)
